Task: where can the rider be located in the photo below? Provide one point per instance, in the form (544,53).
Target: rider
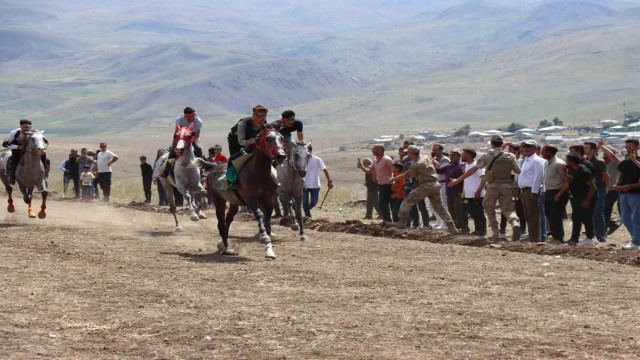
(15,142)
(245,131)
(287,125)
(189,117)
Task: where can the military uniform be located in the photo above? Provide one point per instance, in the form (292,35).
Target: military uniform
(425,173)
(500,189)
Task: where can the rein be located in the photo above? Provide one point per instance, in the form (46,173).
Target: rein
(262,145)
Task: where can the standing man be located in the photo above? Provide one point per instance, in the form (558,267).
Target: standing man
(372,189)
(423,169)
(245,131)
(553,182)
(216,156)
(601,177)
(382,171)
(451,171)
(287,125)
(629,188)
(312,182)
(579,180)
(106,158)
(437,151)
(498,166)
(612,196)
(530,184)
(147,178)
(410,184)
(473,196)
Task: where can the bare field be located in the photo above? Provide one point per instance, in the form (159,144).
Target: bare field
(96,281)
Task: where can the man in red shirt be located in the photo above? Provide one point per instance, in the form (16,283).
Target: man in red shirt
(216,156)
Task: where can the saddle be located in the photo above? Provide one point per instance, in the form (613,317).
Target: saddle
(235,165)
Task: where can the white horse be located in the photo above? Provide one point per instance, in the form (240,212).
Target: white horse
(30,172)
(291,177)
(186,177)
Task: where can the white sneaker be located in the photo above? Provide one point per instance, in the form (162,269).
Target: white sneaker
(631,246)
(442,227)
(588,242)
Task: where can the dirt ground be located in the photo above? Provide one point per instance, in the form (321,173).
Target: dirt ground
(97,281)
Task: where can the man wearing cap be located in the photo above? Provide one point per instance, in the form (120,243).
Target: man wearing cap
(423,169)
(498,165)
(530,183)
(245,131)
(286,126)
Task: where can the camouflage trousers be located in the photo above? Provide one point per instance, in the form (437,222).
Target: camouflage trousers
(501,193)
(427,190)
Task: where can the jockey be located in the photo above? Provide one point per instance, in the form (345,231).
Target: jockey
(15,142)
(245,131)
(189,117)
(287,125)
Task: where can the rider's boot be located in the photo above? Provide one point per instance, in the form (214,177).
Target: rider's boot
(167,168)
(12,175)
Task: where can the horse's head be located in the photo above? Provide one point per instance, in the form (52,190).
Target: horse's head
(299,158)
(184,137)
(36,142)
(271,143)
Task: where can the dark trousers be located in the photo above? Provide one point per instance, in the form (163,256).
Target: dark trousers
(76,185)
(419,209)
(454,205)
(395,208)
(475,208)
(555,210)
(580,216)
(610,200)
(104,179)
(146,186)
(384,201)
(309,204)
(161,195)
(532,213)
(372,203)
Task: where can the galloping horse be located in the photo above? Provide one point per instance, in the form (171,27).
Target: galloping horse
(30,173)
(256,189)
(186,177)
(291,174)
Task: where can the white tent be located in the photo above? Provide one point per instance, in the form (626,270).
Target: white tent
(617,127)
(608,121)
(634,124)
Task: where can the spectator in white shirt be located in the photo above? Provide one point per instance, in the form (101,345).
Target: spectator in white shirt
(530,184)
(106,158)
(312,182)
(473,196)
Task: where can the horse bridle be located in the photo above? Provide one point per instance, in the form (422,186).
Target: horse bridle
(262,145)
(28,136)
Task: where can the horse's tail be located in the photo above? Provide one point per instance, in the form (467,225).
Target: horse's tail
(201,163)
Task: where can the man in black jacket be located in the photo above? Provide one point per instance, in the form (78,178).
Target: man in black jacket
(147,178)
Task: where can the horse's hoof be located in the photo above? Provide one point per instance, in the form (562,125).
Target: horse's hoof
(295,227)
(194,218)
(270,254)
(229,252)
(304,238)
(32,214)
(42,215)
(265,239)
(202,216)
(179,229)
(11,208)
(220,246)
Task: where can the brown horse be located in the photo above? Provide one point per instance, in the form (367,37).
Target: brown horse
(256,189)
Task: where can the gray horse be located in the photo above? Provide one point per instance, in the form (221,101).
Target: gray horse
(30,173)
(185,178)
(291,176)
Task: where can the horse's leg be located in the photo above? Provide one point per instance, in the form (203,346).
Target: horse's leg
(291,214)
(27,195)
(188,199)
(201,202)
(264,237)
(10,207)
(223,228)
(43,189)
(297,203)
(267,208)
(172,205)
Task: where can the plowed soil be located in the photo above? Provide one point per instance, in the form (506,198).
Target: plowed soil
(97,281)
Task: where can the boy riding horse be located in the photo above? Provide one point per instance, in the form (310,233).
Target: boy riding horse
(190,118)
(15,142)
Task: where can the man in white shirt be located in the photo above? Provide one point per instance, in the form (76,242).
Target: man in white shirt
(473,196)
(312,182)
(105,159)
(530,184)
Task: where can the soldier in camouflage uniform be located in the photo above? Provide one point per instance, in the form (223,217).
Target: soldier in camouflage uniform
(499,185)
(424,171)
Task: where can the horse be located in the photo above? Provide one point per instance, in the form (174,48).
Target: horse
(291,176)
(30,173)
(186,177)
(256,188)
